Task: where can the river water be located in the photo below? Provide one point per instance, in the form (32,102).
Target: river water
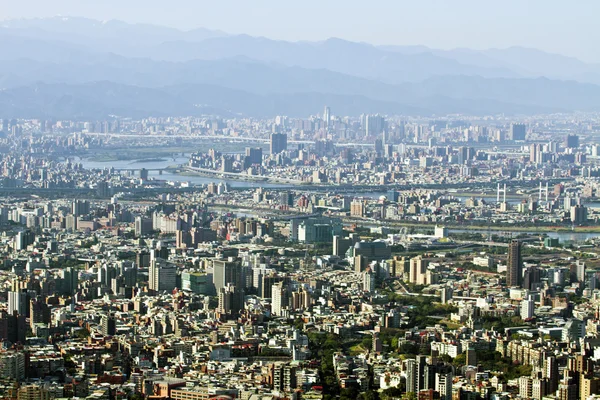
(576,237)
(169,176)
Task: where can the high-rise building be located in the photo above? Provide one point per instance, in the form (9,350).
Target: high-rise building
(317,230)
(514,265)
(525,387)
(443,385)
(368,280)
(418,270)
(286,199)
(70,280)
(283,376)
(527,308)
(226,164)
(39,312)
(280,298)
(588,385)
(531,278)
(253,156)
(108,325)
(551,373)
(579,271)
(13,327)
(278,143)
(374,125)
(412,373)
(231,300)
(446,294)
(539,388)
(80,207)
(341,245)
(471,356)
(18,302)
(572,141)
(517,132)
(12,365)
(327,116)
(567,391)
(421,367)
(579,214)
(357,208)
(161,275)
(24,239)
(228,272)
(197,282)
(143,226)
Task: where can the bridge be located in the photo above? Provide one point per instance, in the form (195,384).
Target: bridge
(194,137)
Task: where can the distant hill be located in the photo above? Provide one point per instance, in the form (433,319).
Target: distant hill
(76,68)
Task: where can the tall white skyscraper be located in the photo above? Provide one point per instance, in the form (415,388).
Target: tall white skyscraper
(279,298)
(443,385)
(527,308)
(17,301)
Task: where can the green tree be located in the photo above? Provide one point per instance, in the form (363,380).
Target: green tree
(460,360)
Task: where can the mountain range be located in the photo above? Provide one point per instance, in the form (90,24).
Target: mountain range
(80,68)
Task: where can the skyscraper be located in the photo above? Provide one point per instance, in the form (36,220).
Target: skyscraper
(327,116)
(253,155)
(412,372)
(279,298)
(278,143)
(108,325)
(514,268)
(80,207)
(550,372)
(70,280)
(228,272)
(527,308)
(572,141)
(443,385)
(24,239)
(231,300)
(579,214)
(374,125)
(162,276)
(517,132)
(17,302)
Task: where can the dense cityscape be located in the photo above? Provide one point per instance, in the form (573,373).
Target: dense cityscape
(377,257)
(398,201)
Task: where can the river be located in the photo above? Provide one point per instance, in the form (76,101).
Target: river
(169,176)
(576,237)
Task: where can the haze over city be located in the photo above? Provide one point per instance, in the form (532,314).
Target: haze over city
(276,200)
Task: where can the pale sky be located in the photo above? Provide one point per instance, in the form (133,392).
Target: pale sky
(560,26)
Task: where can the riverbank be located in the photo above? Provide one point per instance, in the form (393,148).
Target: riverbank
(191,171)
(485,228)
(429,225)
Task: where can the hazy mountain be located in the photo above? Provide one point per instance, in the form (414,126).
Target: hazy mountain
(102,36)
(465,95)
(60,67)
(102,99)
(358,59)
(13,47)
(260,79)
(390,64)
(524,62)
